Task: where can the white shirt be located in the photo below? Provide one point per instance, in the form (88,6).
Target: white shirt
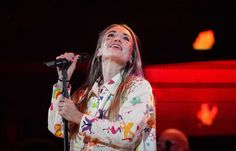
(132,130)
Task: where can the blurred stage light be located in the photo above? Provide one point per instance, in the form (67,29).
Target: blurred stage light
(204,41)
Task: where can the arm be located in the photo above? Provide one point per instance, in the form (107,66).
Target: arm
(137,109)
(55,123)
(54,119)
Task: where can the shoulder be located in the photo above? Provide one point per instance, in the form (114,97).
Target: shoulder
(140,82)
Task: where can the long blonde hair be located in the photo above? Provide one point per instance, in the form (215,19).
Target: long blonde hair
(132,69)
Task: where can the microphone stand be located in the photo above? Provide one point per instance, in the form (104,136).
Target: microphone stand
(66,95)
(63,66)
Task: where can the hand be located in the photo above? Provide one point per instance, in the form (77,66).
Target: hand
(68,110)
(70,57)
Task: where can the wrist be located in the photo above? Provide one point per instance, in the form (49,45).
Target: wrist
(59,79)
(78,118)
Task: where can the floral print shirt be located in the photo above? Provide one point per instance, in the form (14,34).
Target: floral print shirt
(133,130)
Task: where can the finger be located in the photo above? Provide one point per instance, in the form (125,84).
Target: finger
(67,100)
(66,55)
(60,104)
(59,57)
(75,58)
(61,99)
(61,113)
(70,56)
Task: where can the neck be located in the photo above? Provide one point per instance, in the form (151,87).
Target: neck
(109,70)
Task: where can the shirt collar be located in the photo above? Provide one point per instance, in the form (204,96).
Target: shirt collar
(111,85)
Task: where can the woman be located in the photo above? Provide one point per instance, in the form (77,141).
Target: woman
(115,109)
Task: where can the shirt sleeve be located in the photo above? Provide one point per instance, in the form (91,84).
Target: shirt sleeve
(134,114)
(55,123)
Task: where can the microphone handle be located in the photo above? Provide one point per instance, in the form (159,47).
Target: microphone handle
(83,57)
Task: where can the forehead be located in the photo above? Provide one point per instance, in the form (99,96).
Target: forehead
(119,29)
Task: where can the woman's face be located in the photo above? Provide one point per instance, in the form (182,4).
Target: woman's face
(117,45)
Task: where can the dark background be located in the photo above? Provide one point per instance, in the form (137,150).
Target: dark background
(32,32)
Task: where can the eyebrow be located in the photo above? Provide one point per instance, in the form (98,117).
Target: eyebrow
(113,31)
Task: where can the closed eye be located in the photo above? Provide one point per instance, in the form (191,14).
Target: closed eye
(111,35)
(126,38)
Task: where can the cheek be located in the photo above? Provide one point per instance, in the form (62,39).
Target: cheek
(129,50)
(103,47)
(130,47)
(127,55)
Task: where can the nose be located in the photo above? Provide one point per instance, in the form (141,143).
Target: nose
(117,38)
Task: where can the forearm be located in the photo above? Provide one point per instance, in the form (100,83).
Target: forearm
(118,133)
(55,123)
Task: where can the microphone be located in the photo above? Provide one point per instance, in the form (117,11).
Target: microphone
(83,57)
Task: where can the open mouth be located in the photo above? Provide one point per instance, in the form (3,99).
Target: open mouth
(116,46)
